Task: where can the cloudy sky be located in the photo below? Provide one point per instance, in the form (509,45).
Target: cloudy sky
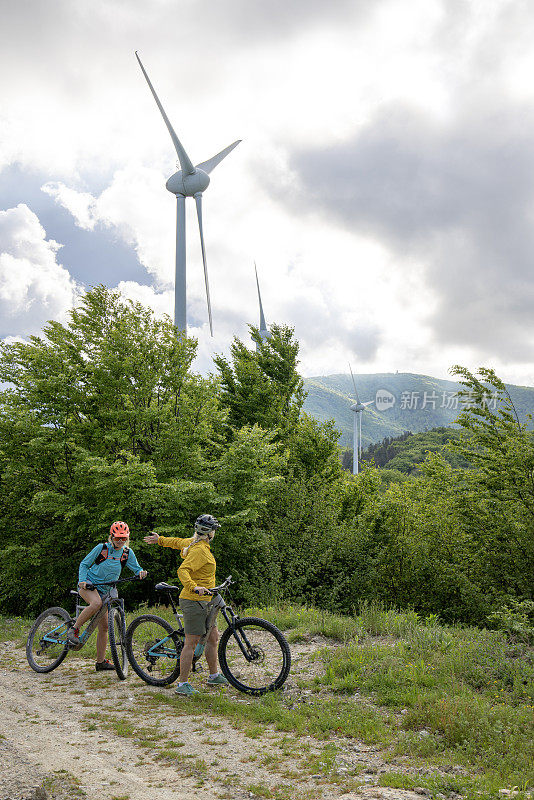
(384,184)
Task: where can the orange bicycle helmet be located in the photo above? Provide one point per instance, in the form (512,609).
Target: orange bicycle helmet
(120,530)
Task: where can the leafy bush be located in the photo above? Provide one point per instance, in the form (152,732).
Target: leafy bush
(516,618)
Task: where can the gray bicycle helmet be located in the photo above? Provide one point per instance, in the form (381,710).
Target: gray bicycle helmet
(205,523)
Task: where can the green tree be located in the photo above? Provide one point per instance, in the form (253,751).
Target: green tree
(263,386)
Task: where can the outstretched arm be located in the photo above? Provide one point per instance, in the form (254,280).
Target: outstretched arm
(175,542)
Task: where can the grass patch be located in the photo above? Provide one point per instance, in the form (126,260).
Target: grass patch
(469,691)
(373,619)
(318,718)
(146,736)
(496,738)
(398,780)
(14,629)
(259,790)
(436,664)
(63,785)
(301,623)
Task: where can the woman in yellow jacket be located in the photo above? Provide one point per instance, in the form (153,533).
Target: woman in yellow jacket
(197,573)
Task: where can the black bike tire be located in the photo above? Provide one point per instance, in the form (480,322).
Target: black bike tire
(118,649)
(60,612)
(284,647)
(137,668)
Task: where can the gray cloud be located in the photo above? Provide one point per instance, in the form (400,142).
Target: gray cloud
(41,34)
(457,197)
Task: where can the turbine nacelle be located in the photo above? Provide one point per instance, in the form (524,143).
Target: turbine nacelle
(188,185)
(358,407)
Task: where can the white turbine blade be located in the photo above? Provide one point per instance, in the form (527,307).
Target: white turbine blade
(211,163)
(263,326)
(198,199)
(354,384)
(360,436)
(185,161)
(369,402)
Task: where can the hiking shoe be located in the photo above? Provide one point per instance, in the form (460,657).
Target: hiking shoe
(100,665)
(217,680)
(72,637)
(186,689)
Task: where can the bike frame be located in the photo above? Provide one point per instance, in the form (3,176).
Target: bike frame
(217,604)
(111,598)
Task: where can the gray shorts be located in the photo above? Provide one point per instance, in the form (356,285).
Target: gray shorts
(195,615)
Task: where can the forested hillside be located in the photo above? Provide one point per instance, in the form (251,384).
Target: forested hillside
(407,452)
(103,419)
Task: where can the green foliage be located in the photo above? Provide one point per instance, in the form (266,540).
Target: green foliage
(263,386)
(407,452)
(516,618)
(496,442)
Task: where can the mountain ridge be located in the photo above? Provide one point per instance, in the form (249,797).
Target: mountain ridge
(421,402)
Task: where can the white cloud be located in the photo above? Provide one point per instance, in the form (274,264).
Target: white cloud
(33,286)
(160,302)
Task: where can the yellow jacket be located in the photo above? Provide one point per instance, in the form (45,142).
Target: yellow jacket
(197,569)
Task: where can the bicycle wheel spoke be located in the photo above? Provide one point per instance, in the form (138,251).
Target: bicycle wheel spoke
(152,650)
(256,659)
(47,642)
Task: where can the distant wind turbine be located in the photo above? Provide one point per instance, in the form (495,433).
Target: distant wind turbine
(263,330)
(358,408)
(189,181)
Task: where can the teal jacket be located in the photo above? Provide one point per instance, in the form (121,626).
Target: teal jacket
(108,570)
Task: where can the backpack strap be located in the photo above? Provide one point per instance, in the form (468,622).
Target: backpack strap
(103,554)
(124,556)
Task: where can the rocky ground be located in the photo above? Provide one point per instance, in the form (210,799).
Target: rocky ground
(75,733)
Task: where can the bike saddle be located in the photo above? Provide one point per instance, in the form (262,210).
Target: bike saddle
(167,587)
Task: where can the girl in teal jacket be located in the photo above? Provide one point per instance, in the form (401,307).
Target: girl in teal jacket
(116,554)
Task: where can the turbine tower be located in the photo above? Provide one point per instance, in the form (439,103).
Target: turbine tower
(189,181)
(358,408)
(263,330)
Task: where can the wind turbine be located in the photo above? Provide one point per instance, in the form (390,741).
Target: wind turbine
(263,329)
(189,181)
(358,408)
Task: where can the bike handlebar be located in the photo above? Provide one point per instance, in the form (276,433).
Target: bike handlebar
(222,587)
(112,583)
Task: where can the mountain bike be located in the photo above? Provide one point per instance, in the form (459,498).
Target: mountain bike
(47,643)
(254,655)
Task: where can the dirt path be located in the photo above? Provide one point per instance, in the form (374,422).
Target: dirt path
(75,733)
